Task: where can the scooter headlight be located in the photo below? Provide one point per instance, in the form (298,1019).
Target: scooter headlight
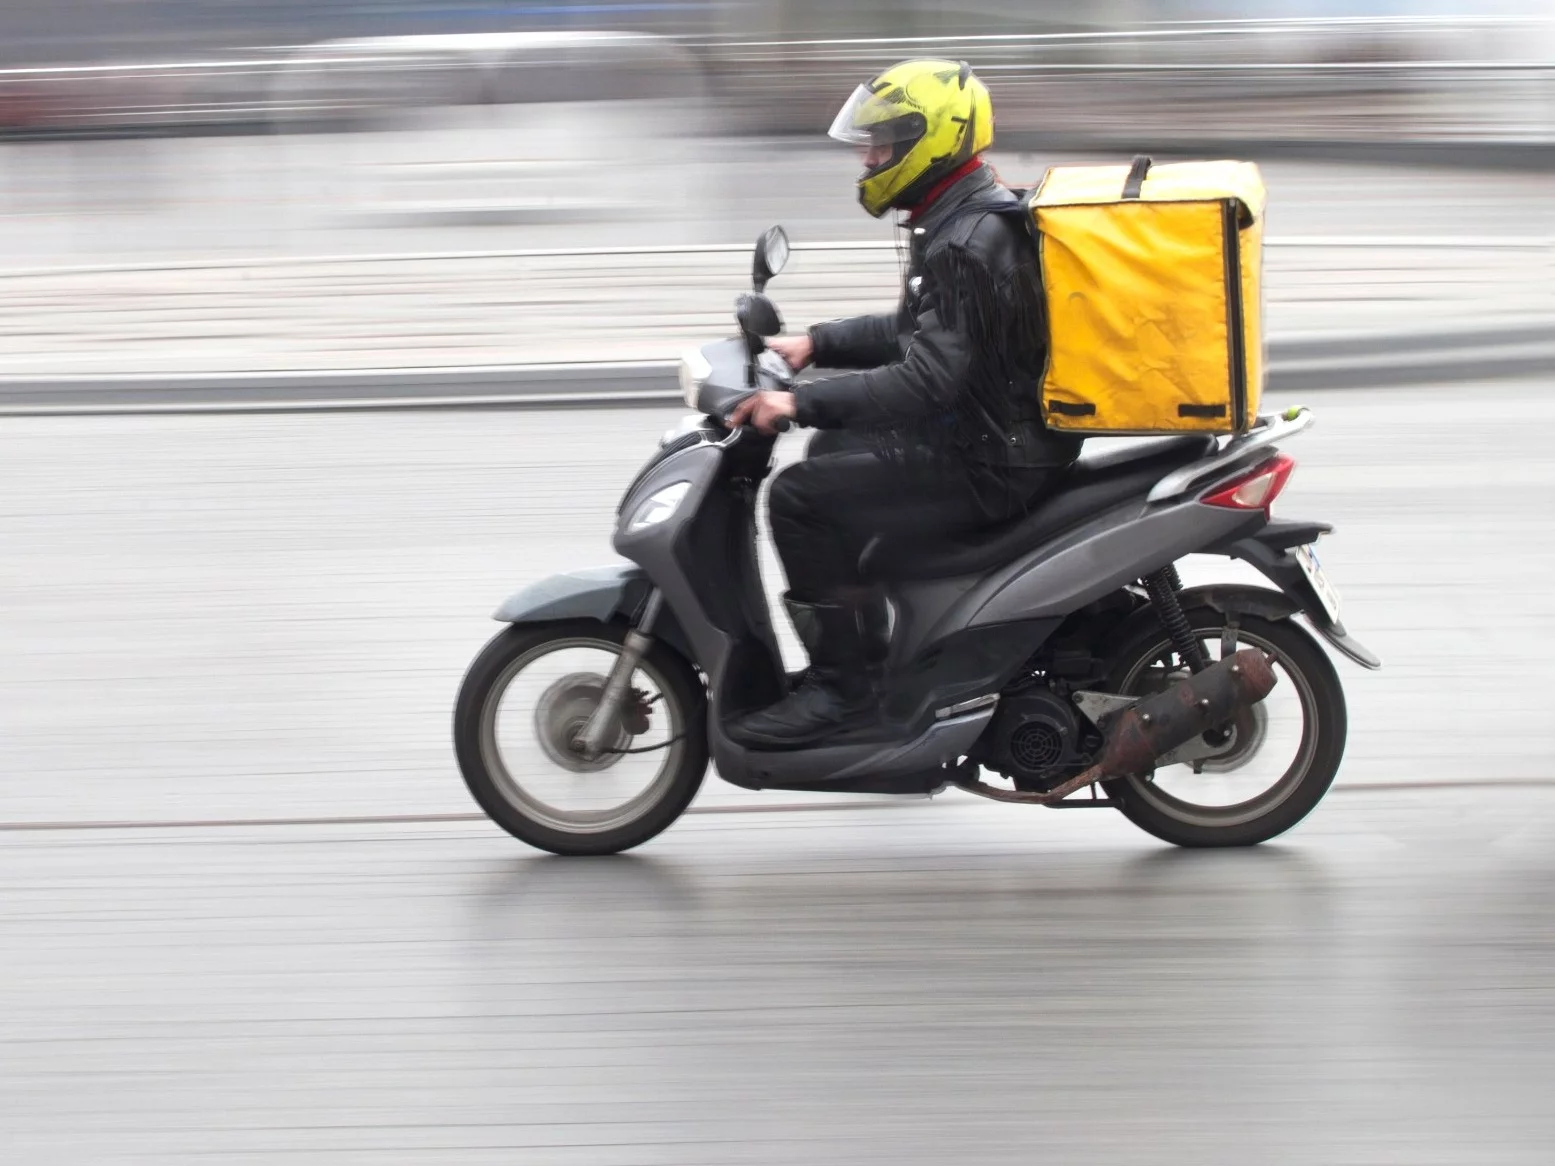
(658,507)
(694,370)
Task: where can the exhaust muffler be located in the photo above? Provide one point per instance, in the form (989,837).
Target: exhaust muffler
(1137,736)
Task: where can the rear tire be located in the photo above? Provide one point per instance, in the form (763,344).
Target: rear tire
(510,803)
(1306,668)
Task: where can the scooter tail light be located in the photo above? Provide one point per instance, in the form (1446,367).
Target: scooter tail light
(1256,490)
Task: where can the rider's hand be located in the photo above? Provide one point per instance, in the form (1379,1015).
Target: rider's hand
(761,410)
(797,351)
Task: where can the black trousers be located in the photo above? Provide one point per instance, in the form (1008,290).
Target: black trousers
(826,509)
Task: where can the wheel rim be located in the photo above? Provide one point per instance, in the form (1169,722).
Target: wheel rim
(1229,791)
(562,714)
(531,717)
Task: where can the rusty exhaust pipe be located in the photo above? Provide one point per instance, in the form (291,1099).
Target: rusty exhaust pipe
(1155,726)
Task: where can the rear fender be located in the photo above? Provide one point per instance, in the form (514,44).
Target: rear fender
(616,593)
(1234,599)
(1269,550)
(1229,599)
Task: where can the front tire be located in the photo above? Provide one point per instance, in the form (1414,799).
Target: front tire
(1165,803)
(540,790)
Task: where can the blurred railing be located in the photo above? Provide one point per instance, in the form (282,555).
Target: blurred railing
(1300,80)
(229,95)
(352,84)
(1356,80)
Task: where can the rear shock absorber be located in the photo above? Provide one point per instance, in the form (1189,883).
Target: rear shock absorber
(1163,587)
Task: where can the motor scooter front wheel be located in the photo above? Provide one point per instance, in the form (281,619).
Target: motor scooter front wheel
(517,727)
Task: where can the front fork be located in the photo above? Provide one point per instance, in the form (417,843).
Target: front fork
(604,723)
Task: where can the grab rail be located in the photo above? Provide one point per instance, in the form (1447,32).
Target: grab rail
(1268,432)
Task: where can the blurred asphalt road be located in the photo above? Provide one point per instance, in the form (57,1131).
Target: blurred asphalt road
(261,616)
(246,618)
(907,986)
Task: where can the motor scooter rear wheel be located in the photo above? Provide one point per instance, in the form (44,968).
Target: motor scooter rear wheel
(521,709)
(1276,761)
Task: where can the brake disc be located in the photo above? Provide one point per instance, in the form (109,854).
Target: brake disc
(561,716)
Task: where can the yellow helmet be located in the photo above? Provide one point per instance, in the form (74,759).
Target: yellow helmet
(935,116)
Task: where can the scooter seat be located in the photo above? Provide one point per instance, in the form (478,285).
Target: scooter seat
(1093,484)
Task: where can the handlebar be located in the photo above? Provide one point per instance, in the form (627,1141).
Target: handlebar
(775,367)
(769,373)
(781,425)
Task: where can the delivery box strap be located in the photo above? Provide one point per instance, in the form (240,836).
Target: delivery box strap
(1134,184)
(1072,408)
(1086,409)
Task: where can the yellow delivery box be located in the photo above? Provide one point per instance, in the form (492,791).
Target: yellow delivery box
(1153,282)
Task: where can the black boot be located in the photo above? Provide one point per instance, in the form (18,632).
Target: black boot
(838,691)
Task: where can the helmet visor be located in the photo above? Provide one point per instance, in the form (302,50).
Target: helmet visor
(877,119)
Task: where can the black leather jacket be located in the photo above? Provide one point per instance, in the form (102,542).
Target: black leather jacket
(953,372)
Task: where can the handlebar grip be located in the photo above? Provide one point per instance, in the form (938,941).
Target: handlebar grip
(782,425)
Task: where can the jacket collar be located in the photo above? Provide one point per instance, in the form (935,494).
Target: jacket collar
(932,195)
(935,213)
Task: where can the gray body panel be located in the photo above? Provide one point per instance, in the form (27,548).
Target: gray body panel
(923,608)
(942,743)
(590,593)
(614,592)
(653,548)
(1111,550)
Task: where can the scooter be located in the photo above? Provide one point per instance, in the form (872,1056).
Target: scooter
(1054,660)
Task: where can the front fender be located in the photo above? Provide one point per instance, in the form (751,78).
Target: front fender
(616,592)
(592,593)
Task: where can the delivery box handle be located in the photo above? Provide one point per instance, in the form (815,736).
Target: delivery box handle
(1134,185)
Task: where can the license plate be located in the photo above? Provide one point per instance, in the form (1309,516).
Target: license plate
(1327,595)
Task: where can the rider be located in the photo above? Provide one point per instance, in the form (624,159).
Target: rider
(939,432)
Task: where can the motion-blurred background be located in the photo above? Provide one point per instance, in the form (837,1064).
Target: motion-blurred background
(247,914)
(137,133)
(179,126)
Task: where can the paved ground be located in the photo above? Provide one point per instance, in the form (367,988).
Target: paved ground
(259,616)
(934,983)
(266,617)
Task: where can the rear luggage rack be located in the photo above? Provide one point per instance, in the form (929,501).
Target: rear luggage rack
(1268,432)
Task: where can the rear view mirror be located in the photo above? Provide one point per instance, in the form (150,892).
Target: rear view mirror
(771,256)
